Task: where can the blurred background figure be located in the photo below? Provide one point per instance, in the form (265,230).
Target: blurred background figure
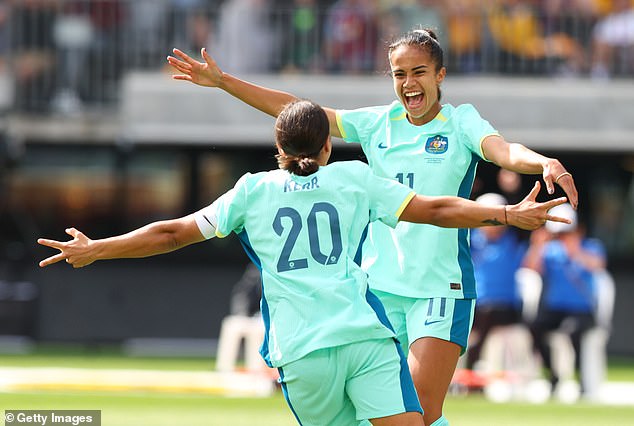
(497,253)
(516,29)
(245,40)
(73,33)
(510,184)
(574,18)
(350,37)
(4,35)
(33,48)
(302,47)
(191,24)
(613,42)
(400,16)
(568,263)
(243,324)
(465,34)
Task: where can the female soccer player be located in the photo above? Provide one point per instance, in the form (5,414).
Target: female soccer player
(303,226)
(423,275)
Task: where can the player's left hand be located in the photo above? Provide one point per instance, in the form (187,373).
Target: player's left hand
(555,173)
(75,252)
(530,214)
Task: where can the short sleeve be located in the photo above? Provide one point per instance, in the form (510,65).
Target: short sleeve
(207,220)
(228,212)
(345,123)
(473,128)
(388,198)
(357,125)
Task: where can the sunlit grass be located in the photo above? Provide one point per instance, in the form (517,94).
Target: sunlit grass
(158,409)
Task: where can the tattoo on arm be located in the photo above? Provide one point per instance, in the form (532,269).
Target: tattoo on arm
(493,222)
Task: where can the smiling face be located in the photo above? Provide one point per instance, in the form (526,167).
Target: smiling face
(416,80)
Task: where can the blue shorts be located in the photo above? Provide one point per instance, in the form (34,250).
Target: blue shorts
(440,317)
(343,385)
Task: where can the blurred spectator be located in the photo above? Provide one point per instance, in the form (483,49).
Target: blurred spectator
(575,18)
(510,184)
(33,53)
(399,17)
(303,44)
(411,14)
(524,46)
(613,42)
(105,64)
(465,35)
(247,292)
(244,41)
(180,15)
(4,34)
(199,32)
(497,254)
(350,36)
(146,32)
(244,323)
(73,33)
(567,262)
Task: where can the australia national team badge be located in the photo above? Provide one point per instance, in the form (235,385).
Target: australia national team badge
(436,145)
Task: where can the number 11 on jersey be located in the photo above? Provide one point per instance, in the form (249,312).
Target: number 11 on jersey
(401,177)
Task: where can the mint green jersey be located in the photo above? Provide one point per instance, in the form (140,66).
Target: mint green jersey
(305,233)
(438,158)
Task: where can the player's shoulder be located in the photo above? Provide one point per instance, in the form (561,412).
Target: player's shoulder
(371,111)
(349,167)
(461,115)
(350,173)
(460,110)
(253,179)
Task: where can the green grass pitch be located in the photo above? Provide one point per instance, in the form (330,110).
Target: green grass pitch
(158,409)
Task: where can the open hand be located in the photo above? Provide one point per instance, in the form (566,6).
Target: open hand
(202,73)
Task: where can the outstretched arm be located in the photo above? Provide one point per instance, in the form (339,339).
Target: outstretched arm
(455,212)
(209,74)
(149,240)
(518,158)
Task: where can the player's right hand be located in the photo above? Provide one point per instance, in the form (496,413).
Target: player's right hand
(202,73)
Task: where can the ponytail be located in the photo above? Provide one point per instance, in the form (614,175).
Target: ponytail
(301,130)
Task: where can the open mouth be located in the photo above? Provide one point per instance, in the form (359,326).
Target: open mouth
(414,99)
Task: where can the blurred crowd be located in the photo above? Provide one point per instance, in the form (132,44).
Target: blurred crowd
(545,300)
(65,52)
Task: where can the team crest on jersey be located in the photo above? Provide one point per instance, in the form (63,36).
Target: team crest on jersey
(436,145)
